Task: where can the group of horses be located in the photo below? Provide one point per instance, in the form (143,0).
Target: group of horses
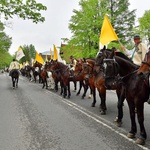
(110,70)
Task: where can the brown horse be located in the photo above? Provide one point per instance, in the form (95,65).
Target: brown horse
(37,72)
(136,91)
(95,81)
(80,76)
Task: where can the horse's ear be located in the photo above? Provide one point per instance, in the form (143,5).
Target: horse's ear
(84,60)
(112,54)
(104,47)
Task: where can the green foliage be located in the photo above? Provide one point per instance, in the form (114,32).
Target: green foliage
(5,58)
(86,24)
(5,40)
(28,9)
(145,24)
(29,51)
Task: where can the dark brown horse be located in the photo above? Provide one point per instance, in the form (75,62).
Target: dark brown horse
(136,91)
(15,78)
(64,74)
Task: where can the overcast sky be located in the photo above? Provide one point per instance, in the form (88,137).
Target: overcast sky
(55,27)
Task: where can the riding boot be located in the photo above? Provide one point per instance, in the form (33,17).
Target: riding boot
(10,72)
(71,73)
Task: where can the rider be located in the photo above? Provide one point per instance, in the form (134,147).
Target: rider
(13,65)
(72,65)
(138,52)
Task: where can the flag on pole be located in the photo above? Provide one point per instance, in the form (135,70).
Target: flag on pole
(27,63)
(39,58)
(55,53)
(21,66)
(51,54)
(19,54)
(107,32)
(46,58)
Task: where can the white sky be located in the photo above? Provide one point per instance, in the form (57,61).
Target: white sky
(58,14)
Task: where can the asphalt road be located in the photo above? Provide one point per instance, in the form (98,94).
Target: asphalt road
(32,118)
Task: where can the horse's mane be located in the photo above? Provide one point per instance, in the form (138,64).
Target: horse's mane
(120,54)
(126,61)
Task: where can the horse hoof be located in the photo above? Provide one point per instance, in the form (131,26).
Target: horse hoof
(118,122)
(13,87)
(89,96)
(140,141)
(102,112)
(131,135)
(93,105)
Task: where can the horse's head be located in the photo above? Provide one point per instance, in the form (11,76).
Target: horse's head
(111,70)
(102,54)
(53,66)
(87,69)
(144,69)
(78,67)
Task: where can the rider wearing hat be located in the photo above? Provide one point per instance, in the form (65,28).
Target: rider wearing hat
(13,65)
(137,54)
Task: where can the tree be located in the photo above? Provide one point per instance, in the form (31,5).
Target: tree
(29,51)
(86,24)
(5,40)
(144,24)
(28,9)
(122,19)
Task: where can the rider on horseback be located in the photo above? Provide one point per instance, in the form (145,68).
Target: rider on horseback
(72,65)
(14,65)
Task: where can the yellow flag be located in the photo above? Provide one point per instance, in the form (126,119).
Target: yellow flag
(55,53)
(21,66)
(27,63)
(107,32)
(39,58)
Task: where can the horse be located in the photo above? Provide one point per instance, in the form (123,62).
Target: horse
(15,78)
(64,75)
(136,92)
(79,75)
(37,71)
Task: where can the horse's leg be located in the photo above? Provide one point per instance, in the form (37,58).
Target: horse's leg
(80,87)
(64,91)
(102,95)
(75,86)
(69,93)
(43,80)
(133,130)
(121,98)
(140,115)
(56,86)
(46,83)
(94,96)
(17,82)
(13,82)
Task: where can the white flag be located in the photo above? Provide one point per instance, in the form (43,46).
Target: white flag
(19,54)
